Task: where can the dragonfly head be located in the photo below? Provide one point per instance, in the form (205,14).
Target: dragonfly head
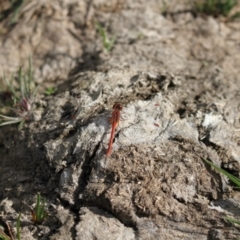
(117,106)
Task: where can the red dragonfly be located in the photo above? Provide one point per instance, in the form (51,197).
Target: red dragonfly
(117,107)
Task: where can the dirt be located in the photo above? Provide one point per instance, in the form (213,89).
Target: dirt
(176,74)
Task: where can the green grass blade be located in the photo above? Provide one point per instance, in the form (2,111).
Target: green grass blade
(38,207)
(9,85)
(20,77)
(101,31)
(110,44)
(42,211)
(34,93)
(21,124)
(25,85)
(9,122)
(107,43)
(232,220)
(16,7)
(215,7)
(30,76)
(18,227)
(3,236)
(227,174)
(50,90)
(235,16)
(9,118)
